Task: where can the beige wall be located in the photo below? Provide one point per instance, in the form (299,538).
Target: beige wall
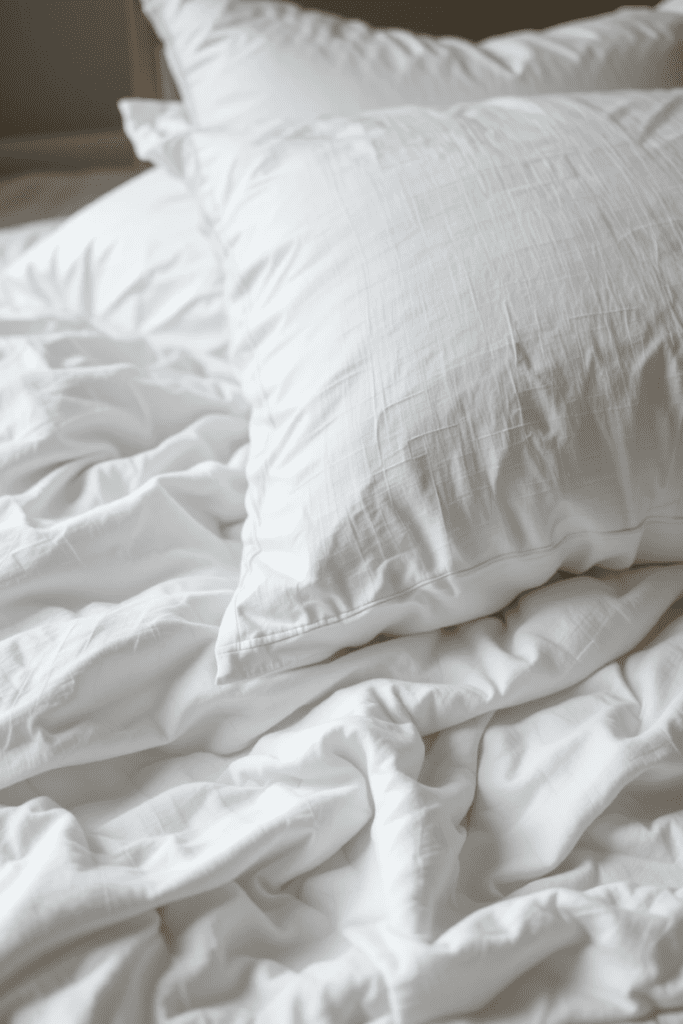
(64,63)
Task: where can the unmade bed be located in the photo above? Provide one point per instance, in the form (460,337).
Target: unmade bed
(342,517)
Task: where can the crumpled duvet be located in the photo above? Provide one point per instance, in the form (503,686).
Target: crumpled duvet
(480,824)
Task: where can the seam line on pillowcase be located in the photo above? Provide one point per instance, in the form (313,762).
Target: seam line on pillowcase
(246,645)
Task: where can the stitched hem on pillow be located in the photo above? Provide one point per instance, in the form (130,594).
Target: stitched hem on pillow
(655,539)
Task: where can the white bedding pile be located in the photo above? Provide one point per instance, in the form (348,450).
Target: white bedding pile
(488,816)
(471,820)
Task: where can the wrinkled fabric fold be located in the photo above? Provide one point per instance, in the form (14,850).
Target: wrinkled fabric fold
(479,823)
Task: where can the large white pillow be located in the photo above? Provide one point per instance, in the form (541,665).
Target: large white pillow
(461,334)
(134,263)
(240,63)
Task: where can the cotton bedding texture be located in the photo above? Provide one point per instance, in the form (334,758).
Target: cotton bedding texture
(481,822)
(473,824)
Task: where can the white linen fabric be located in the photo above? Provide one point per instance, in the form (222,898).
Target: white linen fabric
(478,825)
(135,263)
(153,125)
(242,63)
(460,334)
(17,238)
(481,824)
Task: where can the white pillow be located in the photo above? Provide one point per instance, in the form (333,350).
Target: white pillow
(151,126)
(134,263)
(242,63)
(461,336)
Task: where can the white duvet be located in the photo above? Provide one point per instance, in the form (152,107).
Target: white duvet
(18,238)
(480,824)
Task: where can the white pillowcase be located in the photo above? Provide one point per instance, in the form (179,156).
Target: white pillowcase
(461,335)
(243,63)
(136,262)
(151,126)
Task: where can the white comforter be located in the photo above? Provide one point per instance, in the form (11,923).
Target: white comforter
(481,824)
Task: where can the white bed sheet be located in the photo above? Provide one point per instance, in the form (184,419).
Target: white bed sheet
(480,824)
(15,239)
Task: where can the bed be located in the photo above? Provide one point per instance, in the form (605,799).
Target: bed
(342,512)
